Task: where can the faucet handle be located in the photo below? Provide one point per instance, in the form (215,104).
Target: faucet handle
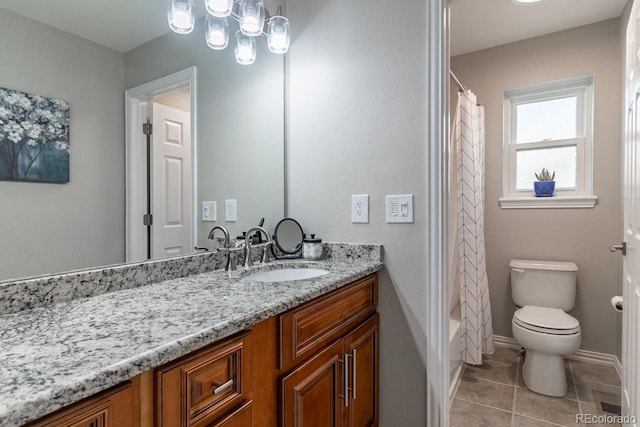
(247,254)
(265,254)
(231,259)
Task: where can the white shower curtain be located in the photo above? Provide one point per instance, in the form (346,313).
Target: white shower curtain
(468,140)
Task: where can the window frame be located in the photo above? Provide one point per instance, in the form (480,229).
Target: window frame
(580,196)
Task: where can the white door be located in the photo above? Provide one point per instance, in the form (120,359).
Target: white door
(631,200)
(171,182)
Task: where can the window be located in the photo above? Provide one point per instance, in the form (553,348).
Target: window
(549,125)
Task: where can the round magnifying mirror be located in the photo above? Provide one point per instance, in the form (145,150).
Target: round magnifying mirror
(288,237)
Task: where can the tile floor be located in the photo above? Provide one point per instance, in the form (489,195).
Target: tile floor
(493,394)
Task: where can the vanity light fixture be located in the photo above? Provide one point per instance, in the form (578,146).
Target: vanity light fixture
(250,15)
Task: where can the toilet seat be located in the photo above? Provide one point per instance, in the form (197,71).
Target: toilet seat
(546,320)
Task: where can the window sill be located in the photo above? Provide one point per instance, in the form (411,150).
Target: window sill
(555,202)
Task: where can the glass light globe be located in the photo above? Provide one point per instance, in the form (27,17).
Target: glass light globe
(217,32)
(251,17)
(219,8)
(180,16)
(278,34)
(245,49)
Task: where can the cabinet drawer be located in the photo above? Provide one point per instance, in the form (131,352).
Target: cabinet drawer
(308,328)
(112,408)
(197,390)
(210,381)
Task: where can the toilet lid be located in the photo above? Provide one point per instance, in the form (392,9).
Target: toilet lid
(547,320)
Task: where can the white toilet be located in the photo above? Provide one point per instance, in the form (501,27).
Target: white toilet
(544,291)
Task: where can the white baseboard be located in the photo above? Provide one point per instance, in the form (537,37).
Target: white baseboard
(580,355)
(506,342)
(618,366)
(457,377)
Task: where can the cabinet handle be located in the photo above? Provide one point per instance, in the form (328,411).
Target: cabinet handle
(353,380)
(346,380)
(223,387)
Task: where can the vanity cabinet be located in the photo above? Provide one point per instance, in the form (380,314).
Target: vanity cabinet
(314,365)
(331,345)
(115,407)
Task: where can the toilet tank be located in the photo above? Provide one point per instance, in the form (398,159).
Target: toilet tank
(543,283)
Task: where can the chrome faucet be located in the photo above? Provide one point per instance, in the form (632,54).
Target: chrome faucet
(247,245)
(231,261)
(224,231)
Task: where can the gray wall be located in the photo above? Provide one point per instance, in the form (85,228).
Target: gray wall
(355,119)
(240,124)
(580,235)
(47,228)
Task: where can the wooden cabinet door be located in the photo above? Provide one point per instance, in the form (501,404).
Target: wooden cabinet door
(241,417)
(361,357)
(311,393)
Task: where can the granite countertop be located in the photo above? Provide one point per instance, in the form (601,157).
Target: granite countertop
(56,355)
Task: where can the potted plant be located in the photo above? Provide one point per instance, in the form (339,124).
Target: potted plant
(545,184)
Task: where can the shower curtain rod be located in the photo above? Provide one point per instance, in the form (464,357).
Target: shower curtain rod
(455,79)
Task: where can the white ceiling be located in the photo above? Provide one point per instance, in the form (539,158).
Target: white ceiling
(475,24)
(480,24)
(119,24)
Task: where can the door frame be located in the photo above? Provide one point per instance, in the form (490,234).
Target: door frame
(630,372)
(136,100)
(437,142)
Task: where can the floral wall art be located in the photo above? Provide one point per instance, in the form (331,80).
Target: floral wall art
(34,137)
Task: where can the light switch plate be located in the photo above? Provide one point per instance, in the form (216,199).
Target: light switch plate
(399,208)
(209,211)
(360,209)
(230,213)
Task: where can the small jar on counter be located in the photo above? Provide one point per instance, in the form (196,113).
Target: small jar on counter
(312,248)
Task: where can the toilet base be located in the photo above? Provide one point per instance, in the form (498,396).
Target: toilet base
(544,373)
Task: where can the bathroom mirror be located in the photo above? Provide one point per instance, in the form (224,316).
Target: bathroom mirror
(288,237)
(89,54)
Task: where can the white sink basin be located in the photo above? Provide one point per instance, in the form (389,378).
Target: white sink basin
(285,275)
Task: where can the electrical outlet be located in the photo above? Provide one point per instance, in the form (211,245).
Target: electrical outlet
(209,211)
(230,213)
(360,209)
(399,208)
